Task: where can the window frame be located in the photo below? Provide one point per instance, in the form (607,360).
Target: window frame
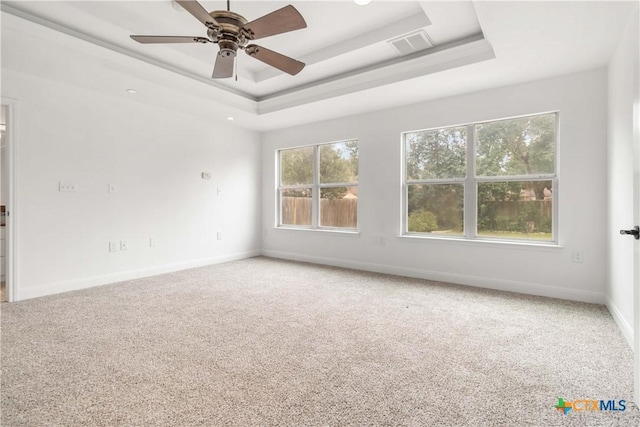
(316,188)
(470,187)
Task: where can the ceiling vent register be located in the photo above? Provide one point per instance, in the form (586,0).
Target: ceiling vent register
(412,42)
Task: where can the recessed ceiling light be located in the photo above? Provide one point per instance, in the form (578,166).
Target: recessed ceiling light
(230,118)
(362,2)
(132,91)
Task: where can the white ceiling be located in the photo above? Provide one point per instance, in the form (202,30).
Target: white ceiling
(351,67)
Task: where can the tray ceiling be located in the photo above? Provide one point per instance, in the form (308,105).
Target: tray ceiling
(358,57)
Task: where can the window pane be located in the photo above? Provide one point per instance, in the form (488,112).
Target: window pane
(518,210)
(295,206)
(436,208)
(524,146)
(339,162)
(296,166)
(339,207)
(437,153)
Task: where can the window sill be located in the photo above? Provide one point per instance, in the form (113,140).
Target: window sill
(483,242)
(354,233)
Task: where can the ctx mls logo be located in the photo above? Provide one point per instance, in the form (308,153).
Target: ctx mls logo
(590,405)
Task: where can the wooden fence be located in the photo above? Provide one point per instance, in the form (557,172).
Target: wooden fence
(333,212)
(515,208)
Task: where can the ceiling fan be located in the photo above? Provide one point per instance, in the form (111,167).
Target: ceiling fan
(232,31)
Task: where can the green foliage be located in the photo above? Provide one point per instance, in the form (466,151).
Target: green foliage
(297,192)
(522,146)
(296,166)
(422,222)
(501,209)
(352,149)
(437,153)
(521,217)
(506,148)
(443,200)
(338,164)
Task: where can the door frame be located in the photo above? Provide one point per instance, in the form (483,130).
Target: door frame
(636,221)
(10,219)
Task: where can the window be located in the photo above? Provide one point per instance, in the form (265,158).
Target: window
(491,180)
(318,186)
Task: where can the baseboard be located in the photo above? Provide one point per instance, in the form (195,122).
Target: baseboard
(623,325)
(89,282)
(480,282)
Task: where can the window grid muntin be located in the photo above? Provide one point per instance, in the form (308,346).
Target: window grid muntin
(471,181)
(315,188)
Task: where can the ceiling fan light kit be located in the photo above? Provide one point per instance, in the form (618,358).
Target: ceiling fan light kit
(231,31)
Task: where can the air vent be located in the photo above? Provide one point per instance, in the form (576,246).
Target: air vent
(411,42)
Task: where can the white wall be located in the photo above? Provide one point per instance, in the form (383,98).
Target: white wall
(581,100)
(77,124)
(623,92)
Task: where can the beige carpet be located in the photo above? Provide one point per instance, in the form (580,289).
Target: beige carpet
(266,342)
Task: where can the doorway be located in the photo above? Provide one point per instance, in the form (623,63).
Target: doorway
(636,221)
(7,112)
(3,205)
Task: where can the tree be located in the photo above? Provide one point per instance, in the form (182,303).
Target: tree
(506,148)
(435,154)
(515,147)
(296,166)
(338,164)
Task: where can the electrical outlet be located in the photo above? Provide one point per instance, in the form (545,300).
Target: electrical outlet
(578,257)
(123,245)
(67,187)
(113,246)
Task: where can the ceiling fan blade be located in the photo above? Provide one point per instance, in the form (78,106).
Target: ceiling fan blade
(170,39)
(275,59)
(223,67)
(196,9)
(280,21)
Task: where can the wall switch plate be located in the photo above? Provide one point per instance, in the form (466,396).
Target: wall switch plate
(123,245)
(113,246)
(67,187)
(152,242)
(206,175)
(113,188)
(219,190)
(219,235)
(578,257)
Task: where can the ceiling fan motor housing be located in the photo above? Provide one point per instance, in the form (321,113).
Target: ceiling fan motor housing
(228,35)
(227,48)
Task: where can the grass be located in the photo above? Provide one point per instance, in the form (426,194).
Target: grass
(516,235)
(500,234)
